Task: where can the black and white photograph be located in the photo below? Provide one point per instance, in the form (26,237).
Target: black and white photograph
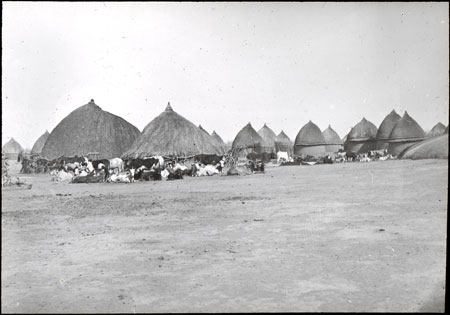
(224,157)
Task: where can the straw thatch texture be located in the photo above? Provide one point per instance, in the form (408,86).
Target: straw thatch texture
(12,147)
(432,148)
(385,129)
(309,141)
(201,128)
(437,130)
(170,134)
(284,144)
(248,138)
(39,144)
(406,128)
(332,140)
(219,142)
(89,129)
(268,137)
(364,130)
(446,130)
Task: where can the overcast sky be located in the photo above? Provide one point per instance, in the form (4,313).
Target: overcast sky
(223,65)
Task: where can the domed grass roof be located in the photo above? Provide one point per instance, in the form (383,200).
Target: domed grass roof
(267,135)
(431,148)
(387,125)
(331,136)
(406,128)
(309,134)
(39,144)
(90,129)
(218,140)
(170,134)
(201,128)
(247,138)
(283,143)
(437,130)
(12,147)
(283,138)
(363,131)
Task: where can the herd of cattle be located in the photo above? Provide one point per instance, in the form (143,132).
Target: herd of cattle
(84,170)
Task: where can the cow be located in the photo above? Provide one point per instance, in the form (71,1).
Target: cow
(256,166)
(282,157)
(376,154)
(208,158)
(62,176)
(351,156)
(136,163)
(175,175)
(116,163)
(124,177)
(89,178)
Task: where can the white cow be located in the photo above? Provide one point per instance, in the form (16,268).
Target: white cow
(282,156)
(208,170)
(120,178)
(62,176)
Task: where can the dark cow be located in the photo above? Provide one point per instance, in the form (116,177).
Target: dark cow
(351,156)
(71,159)
(105,162)
(265,156)
(206,159)
(151,175)
(256,166)
(90,178)
(175,175)
(136,163)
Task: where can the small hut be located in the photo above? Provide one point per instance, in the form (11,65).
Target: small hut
(171,135)
(39,144)
(310,141)
(332,140)
(12,150)
(437,130)
(219,142)
(362,137)
(385,130)
(247,141)
(90,131)
(283,143)
(405,133)
(431,148)
(268,137)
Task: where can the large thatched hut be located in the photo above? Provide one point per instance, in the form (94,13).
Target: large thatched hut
(90,131)
(332,140)
(385,130)
(39,144)
(284,143)
(268,137)
(309,141)
(437,130)
(219,142)
(405,133)
(362,137)
(247,141)
(171,135)
(431,148)
(12,149)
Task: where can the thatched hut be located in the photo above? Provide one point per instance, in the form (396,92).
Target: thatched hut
(385,129)
(202,129)
(39,144)
(332,140)
(431,148)
(309,141)
(268,137)
(247,141)
(437,130)
(90,131)
(219,142)
(284,143)
(405,133)
(12,149)
(446,130)
(362,137)
(171,135)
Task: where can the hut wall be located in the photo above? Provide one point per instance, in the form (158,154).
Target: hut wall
(382,144)
(395,148)
(313,150)
(333,147)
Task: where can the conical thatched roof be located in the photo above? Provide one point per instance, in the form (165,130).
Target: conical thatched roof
(170,134)
(39,144)
(363,131)
(218,140)
(201,128)
(432,148)
(89,129)
(309,134)
(437,130)
(12,147)
(247,138)
(387,125)
(282,137)
(268,136)
(406,128)
(331,136)
(283,143)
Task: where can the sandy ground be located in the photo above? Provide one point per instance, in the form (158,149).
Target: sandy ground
(324,238)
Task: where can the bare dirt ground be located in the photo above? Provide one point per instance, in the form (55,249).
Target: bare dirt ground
(324,238)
